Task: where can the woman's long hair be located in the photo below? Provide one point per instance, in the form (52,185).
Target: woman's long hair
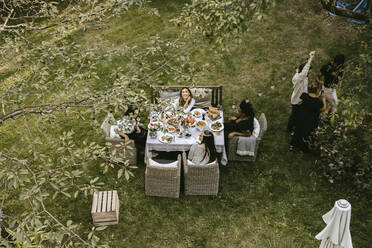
(181,102)
(247,110)
(210,148)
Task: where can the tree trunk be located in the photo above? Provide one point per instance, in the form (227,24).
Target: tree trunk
(331,6)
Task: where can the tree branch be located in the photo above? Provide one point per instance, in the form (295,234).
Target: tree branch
(43,109)
(25,164)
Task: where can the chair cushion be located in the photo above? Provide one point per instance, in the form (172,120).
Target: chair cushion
(202,96)
(170,165)
(168,94)
(256,130)
(192,163)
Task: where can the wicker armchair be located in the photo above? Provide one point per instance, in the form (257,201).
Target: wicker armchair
(201,179)
(117,146)
(233,143)
(162,181)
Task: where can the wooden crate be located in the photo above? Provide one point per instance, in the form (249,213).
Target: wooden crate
(105,208)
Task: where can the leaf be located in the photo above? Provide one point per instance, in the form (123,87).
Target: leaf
(101,228)
(66,194)
(120,173)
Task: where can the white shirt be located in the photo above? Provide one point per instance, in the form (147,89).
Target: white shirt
(188,109)
(300,83)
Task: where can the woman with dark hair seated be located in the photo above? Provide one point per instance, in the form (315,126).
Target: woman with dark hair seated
(205,152)
(312,104)
(185,100)
(242,124)
(139,134)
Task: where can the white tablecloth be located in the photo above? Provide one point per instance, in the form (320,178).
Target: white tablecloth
(184,144)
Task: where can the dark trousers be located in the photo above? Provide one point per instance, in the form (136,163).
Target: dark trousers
(139,138)
(293,117)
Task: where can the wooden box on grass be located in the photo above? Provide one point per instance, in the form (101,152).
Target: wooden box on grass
(105,208)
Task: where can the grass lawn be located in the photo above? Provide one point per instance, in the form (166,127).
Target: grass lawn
(276,201)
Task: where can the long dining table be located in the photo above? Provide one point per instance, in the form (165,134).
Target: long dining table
(184,143)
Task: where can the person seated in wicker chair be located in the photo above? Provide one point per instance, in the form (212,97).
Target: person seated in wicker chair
(138,135)
(205,152)
(242,123)
(185,100)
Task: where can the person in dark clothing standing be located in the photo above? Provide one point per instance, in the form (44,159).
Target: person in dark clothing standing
(312,105)
(333,76)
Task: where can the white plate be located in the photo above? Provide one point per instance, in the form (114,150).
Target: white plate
(169,131)
(198,110)
(165,140)
(200,127)
(216,130)
(156,123)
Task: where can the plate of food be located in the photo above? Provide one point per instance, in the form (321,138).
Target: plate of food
(216,126)
(171,129)
(173,122)
(198,113)
(214,113)
(200,125)
(154,125)
(166,138)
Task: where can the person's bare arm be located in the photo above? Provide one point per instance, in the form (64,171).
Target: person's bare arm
(317,78)
(323,98)
(245,134)
(123,135)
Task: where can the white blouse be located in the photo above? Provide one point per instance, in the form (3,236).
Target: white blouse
(188,109)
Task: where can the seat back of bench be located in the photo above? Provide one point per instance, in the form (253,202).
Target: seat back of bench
(173,91)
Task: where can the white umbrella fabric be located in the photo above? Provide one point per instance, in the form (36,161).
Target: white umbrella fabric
(337,233)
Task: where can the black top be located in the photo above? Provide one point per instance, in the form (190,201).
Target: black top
(242,125)
(310,111)
(332,74)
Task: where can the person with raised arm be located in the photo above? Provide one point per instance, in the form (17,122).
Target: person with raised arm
(300,84)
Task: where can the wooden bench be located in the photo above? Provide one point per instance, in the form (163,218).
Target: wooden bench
(216,92)
(105,208)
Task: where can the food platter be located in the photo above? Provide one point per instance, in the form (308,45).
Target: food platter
(216,126)
(171,129)
(166,138)
(201,124)
(198,113)
(154,125)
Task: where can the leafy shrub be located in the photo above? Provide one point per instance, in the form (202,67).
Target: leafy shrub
(344,140)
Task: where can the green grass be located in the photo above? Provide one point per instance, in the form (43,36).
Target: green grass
(277,201)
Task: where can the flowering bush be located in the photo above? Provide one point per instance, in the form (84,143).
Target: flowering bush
(344,140)
(345,154)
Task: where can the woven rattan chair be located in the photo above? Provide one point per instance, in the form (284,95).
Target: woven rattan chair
(201,179)
(233,143)
(162,181)
(118,147)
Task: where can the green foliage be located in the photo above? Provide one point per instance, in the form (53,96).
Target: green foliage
(344,140)
(220,20)
(77,72)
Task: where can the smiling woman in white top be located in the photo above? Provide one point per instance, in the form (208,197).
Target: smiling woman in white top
(185,100)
